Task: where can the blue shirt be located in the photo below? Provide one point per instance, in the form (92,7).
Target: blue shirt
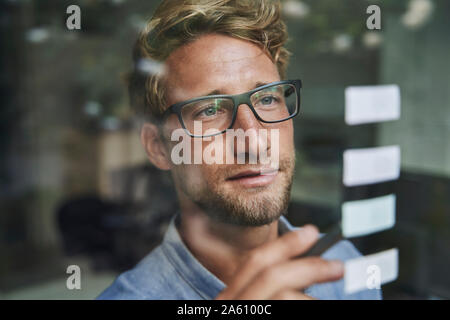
(170,271)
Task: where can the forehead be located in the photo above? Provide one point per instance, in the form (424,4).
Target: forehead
(216,62)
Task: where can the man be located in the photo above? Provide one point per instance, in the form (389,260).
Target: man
(223,61)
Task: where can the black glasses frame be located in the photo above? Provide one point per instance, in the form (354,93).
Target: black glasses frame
(238,99)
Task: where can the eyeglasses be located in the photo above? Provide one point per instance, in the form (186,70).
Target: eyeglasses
(213,115)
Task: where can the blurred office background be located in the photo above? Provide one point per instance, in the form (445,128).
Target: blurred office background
(75,185)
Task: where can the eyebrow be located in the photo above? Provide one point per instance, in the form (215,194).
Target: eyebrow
(217,91)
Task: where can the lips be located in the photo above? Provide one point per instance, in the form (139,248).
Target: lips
(244,174)
(254,178)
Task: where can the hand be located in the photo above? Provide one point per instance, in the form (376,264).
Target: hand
(270,272)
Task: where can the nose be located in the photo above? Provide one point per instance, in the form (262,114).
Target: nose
(254,139)
(245,119)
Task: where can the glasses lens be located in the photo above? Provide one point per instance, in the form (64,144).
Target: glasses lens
(207,117)
(275,103)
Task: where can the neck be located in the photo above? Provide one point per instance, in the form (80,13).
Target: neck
(221,247)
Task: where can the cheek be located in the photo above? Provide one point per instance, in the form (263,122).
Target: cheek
(194,172)
(288,137)
(285,139)
(190,177)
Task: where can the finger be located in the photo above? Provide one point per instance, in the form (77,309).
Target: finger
(295,274)
(291,295)
(287,246)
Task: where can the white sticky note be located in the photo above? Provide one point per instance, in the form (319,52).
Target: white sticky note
(366,104)
(370,272)
(371,165)
(363,217)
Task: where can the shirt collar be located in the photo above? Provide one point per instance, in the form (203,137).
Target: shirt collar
(206,284)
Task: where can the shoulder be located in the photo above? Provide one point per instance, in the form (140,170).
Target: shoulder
(149,279)
(343,250)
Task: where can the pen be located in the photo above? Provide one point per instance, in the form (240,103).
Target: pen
(331,237)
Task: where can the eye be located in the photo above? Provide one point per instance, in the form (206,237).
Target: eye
(208,111)
(211,111)
(267,100)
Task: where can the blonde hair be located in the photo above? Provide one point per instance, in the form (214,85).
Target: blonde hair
(178,22)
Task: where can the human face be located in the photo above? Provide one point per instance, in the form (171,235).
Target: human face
(232,193)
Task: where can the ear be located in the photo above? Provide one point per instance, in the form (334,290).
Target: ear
(154,146)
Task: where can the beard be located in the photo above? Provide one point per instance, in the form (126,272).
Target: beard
(249,207)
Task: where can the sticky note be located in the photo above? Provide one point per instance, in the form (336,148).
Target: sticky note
(363,217)
(370,272)
(371,165)
(367,104)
